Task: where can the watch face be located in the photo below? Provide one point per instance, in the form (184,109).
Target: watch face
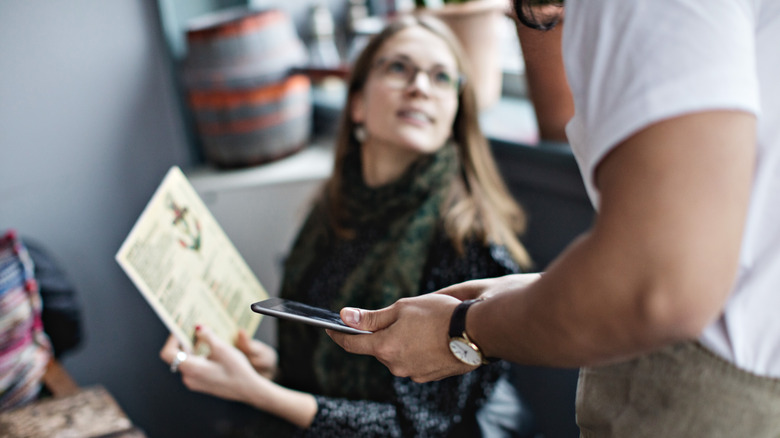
(464,352)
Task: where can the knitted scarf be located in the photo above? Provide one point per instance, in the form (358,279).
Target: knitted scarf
(407,210)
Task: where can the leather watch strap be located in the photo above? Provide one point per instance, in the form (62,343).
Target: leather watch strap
(458,326)
(458,320)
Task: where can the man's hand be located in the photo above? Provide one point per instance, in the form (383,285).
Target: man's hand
(410,337)
(487,288)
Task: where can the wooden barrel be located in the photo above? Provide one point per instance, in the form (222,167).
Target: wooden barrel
(248,106)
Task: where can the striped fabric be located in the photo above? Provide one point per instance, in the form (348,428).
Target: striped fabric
(25,349)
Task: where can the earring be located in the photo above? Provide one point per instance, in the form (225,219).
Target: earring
(360,133)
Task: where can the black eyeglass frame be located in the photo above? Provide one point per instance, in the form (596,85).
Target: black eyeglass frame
(460,78)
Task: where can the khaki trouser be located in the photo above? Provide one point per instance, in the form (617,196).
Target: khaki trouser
(680,391)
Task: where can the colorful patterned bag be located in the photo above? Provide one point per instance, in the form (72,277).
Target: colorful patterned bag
(25,349)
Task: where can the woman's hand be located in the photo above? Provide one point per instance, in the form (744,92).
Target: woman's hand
(226,373)
(262,356)
(236,373)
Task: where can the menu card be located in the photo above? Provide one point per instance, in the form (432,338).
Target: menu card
(187,268)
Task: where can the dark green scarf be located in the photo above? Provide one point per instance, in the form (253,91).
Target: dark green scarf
(391,269)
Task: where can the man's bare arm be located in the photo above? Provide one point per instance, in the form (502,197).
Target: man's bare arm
(548,88)
(659,263)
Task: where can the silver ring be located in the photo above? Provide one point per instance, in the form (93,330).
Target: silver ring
(180,357)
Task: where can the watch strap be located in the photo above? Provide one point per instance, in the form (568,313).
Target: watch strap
(458,320)
(458,327)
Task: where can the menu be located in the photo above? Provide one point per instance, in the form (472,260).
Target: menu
(187,268)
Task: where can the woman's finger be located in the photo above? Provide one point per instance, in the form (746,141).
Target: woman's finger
(169,350)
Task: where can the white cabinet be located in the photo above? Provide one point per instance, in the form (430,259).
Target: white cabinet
(261,209)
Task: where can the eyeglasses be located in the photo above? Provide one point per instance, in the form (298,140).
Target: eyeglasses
(399,72)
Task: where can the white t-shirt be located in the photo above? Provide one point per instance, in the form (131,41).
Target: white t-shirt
(631,63)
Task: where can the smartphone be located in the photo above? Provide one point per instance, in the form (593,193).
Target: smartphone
(296,311)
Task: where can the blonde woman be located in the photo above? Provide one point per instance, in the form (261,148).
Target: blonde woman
(415,203)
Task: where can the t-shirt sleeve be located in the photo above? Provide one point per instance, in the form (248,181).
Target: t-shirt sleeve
(631,64)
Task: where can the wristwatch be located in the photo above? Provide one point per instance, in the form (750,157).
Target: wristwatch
(461,346)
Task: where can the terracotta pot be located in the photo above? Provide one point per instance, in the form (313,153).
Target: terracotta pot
(476,24)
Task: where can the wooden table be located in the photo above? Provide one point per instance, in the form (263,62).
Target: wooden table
(89,412)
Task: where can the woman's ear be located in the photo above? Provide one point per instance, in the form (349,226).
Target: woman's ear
(357,108)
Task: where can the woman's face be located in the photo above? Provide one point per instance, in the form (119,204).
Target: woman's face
(410,98)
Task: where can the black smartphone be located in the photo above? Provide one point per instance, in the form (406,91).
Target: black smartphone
(296,311)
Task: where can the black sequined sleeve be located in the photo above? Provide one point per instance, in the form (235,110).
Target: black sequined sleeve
(436,409)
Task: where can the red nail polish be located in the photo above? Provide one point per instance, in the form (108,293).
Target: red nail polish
(197,328)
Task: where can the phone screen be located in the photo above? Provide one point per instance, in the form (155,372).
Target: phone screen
(297,311)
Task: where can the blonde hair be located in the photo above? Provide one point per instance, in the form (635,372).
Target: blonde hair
(478,203)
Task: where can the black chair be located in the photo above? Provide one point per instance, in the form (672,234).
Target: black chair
(546,181)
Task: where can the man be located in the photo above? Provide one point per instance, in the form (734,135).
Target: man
(668,300)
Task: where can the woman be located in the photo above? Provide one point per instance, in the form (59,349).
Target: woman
(670,300)
(415,203)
